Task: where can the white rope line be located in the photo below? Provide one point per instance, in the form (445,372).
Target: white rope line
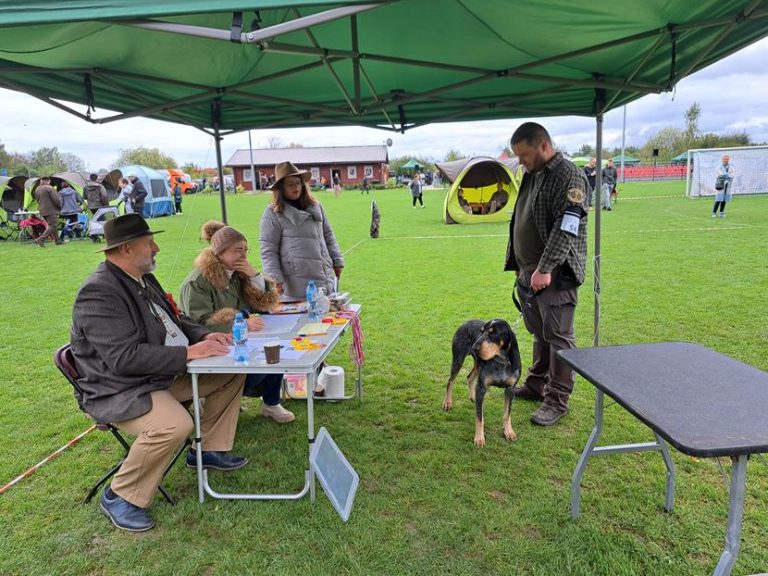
(348,250)
(444,237)
(650,197)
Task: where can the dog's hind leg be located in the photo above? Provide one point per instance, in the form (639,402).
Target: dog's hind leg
(479,422)
(472,379)
(509,433)
(458,361)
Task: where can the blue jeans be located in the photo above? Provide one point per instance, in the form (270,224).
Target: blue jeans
(265,385)
(607,194)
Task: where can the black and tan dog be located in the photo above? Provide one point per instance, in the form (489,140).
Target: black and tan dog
(493,347)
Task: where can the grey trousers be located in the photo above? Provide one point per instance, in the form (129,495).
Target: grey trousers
(548,316)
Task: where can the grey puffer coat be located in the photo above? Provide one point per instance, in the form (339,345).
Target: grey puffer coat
(298,246)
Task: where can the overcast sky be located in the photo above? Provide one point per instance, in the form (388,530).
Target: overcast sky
(731,94)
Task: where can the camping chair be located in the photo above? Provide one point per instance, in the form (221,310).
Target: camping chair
(9,227)
(65,362)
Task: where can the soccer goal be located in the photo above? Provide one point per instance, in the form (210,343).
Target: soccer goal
(750,170)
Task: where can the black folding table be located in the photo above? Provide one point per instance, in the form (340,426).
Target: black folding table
(702,402)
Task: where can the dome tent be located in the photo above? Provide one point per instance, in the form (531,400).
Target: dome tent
(159,201)
(478,178)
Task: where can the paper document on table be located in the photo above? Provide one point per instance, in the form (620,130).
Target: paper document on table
(313,329)
(277,324)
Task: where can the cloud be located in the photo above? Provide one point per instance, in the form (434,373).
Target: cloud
(730,94)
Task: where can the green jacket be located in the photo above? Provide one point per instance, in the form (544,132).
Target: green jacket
(212,297)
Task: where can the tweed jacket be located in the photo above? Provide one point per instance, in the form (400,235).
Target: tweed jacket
(211,296)
(298,246)
(119,345)
(550,200)
(48,200)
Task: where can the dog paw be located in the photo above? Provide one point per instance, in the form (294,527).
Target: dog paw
(510,434)
(480,440)
(447,404)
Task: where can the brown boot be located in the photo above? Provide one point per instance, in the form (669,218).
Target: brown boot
(547,415)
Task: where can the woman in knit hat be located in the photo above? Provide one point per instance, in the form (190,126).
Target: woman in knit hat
(297,241)
(223,283)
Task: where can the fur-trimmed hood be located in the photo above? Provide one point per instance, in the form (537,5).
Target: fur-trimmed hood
(214,271)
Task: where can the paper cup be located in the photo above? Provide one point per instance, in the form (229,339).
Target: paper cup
(272,352)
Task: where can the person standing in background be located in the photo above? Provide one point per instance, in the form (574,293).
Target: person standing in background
(125,195)
(95,194)
(71,204)
(610,176)
(49,203)
(177,195)
(725,179)
(590,170)
(138,195)
(416,190)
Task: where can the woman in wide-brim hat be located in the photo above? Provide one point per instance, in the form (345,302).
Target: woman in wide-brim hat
(297,240)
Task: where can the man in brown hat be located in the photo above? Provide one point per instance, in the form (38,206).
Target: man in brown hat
(131,347)
(49,203)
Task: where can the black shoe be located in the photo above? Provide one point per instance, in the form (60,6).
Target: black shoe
(547,415)
(123,514)
(526,393)
(216,461)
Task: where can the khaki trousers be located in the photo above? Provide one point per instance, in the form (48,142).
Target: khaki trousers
(51,223)
(161,431)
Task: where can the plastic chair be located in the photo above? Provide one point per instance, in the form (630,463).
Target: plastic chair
(65,362)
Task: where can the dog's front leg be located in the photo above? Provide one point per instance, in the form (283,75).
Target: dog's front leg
(479,422)
(448,398)
(509,433)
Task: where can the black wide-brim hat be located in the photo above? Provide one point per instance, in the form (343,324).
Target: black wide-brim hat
(125,228)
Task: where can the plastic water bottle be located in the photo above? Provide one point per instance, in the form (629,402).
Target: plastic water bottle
(312,301)
(240,338)
(323,302)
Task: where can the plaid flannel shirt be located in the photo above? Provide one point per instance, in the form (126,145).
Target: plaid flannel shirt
(550,200)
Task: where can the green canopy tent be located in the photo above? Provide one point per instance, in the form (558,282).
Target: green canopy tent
(233,65)
(628,160)
(411,165)
(680,158)
(580,161)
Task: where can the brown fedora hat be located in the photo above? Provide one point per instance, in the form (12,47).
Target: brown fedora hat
(125,228)
(284,169)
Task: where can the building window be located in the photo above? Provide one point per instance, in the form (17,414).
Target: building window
(368,170)
(352,172)
(315,173)
(247,175)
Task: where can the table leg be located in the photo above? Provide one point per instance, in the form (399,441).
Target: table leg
(670,500)
(311,379)
(735,516)
(594,436)
(359,383)
(198,434)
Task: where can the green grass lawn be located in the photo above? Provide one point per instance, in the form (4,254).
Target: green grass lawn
(429,502)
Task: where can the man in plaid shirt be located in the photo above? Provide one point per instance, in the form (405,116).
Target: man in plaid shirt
(548,251)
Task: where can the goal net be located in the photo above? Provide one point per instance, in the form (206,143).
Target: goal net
(750,170)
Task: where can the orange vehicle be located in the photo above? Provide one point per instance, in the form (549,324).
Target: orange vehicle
(187,186)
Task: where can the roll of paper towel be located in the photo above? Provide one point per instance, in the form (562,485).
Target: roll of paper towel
(332,378)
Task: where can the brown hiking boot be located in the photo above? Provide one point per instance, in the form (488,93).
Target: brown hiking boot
(547,415)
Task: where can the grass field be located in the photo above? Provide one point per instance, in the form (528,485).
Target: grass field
(429,503)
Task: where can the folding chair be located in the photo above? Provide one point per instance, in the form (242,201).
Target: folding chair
(9,227)
(65,362)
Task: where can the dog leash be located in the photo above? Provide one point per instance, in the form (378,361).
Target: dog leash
(528,295)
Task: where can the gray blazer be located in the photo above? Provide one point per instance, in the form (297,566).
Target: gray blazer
(298,246)
(119,345)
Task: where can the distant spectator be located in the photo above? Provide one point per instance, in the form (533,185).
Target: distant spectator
(125,195)
(591,171)
(416,190)
(71,204)
(365,187)
(725,179)
(95,194)
(610,175)
(49,203)
(177,195)
(336,184)
(138,194)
